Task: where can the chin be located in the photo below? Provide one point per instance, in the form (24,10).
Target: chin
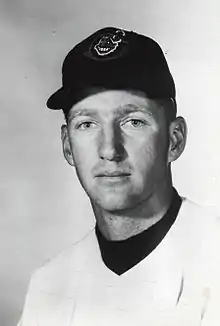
(113,203)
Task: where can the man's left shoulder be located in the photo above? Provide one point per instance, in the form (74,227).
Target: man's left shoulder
(198,217)
(198,233)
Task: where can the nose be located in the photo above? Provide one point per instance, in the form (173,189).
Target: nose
(111,144)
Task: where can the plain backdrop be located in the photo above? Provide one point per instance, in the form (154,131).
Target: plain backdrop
(42,206)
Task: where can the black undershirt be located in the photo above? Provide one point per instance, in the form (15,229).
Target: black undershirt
(120,256)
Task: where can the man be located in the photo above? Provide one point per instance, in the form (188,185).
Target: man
(152,258)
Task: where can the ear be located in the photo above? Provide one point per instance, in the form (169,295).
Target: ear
(178,135)
(67,152)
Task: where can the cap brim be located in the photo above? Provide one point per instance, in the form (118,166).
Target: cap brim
(61,99)
(65,98)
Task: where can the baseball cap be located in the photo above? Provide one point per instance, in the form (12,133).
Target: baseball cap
(113,59)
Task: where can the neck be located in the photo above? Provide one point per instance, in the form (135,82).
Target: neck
(124,224)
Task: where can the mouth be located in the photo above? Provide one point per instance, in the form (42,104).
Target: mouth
(114,174)
(113,178)
(102,49)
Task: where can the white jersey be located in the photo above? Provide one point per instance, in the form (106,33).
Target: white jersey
(177,284)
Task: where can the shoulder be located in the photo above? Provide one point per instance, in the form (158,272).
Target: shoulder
(63,271)
(197,236)
(200,223)
(202,259)
(197,208)
(196,217)
(56,283)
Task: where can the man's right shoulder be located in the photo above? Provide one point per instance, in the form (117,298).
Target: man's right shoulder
(57,274)
(56,284)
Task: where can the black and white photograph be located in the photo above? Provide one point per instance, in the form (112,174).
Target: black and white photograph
(110,163)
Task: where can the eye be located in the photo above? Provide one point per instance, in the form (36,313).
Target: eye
(85,125)
(134,123)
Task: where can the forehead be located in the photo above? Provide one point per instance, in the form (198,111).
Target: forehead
(113,102)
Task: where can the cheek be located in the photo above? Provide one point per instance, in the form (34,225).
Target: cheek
(84,153)
(143,148)
(149,152)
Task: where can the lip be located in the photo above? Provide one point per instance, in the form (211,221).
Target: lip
(114,174)
(113,178)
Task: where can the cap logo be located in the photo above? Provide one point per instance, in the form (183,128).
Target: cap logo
(109,43)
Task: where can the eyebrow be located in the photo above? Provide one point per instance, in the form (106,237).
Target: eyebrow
(119,112)
(131,108)
(81,112)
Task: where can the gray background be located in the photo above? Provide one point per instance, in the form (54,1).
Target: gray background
(42,207)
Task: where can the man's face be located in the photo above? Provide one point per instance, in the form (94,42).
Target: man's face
(118,142)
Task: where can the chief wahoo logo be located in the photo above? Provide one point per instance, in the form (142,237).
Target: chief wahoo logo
(109,42)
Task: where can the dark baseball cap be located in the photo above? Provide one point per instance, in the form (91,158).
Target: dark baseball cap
(113,59)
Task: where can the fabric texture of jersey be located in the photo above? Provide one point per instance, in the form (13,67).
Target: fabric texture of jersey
(177,284)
